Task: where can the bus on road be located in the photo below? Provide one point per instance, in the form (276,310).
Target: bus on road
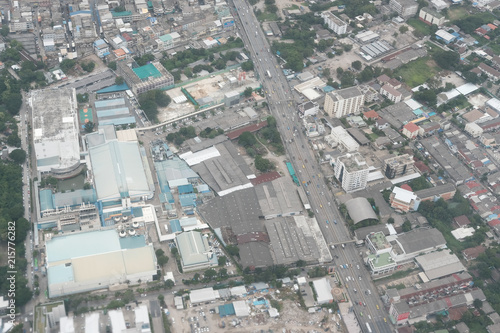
(269,74)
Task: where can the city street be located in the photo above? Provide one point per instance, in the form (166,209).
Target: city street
(280,99)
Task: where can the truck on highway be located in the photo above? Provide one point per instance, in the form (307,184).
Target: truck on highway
(269,74)
(368,328)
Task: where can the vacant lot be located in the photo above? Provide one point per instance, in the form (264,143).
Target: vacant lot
(417,72)
(457,13)
(420,27)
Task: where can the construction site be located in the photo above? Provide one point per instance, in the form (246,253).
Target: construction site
(226,89)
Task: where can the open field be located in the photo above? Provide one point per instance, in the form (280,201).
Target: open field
(416,72)
(419,26)
(457,13)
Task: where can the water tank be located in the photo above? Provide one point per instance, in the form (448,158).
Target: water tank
(131,232)
(125,218)
(122,233)
(117,218)
(135,224)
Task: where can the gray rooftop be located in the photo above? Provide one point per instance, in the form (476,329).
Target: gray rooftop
(348,92)
(397,114)
(435,191)
(278,197)
(226,171)
(255,254)
(289,242)
(360,209)
(420,239)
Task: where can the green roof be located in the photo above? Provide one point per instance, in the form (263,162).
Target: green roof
(192,248)
(85,116)
(121,14)
(381,261)
(166,37)
(46,200)
(146,71)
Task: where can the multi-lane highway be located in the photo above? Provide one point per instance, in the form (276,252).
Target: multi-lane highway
(355,277)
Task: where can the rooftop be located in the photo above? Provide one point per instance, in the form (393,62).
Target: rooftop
(360,209)
(55,128)
(353,162)
(193,248)
(379,241)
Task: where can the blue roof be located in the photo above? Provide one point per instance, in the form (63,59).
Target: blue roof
(109,103)
(175,226)
(185,189)
(187,222)
(46,200)
(226,310)
(203,188)
(118,121)
(75,198)
(187,200)
(328,89)
(60,274)
(166,197)
(132,242)
(112,112)
(82,244)
(113,88)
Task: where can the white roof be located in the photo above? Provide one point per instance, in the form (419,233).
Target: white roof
(311,94)
(405,178)
(461,233)
(241,309)
(494,104)
(175,35)
(413,104)
(444,35)
(169,276)
(323,291)
(66,324)
(313,83)
(200,156)
(203,295)
(376,175)
(117,321)
(467,88)
(439,263)
(238,291)
(403,195)
(141,315)
(273,313)
(180,99)
(301,280)
(92,322)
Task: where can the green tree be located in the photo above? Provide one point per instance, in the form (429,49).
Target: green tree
(247,139)
(88,66)
(67,64)
(89,127)
(112,65)
(4,31)
(263,164)
(188,72)
(248,92)
(119,9)
(210,273)
(356,65)
(446,59)
(406,226)
(18,156)
(233,250)
(222,261)
(82,98)
(403,29)
(119,80)
(247,66)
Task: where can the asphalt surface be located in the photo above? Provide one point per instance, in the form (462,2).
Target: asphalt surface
(283,108)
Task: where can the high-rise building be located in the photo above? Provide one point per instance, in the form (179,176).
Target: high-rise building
(351,171)
(334,23)
(405,8)
(398,165)
(342,102)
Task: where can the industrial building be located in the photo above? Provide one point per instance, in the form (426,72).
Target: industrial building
(145,78)
(278,198)
(359,210)
(55,131)
(120,171)
(194,251)
(430,16)
(439,264)
(342,102)
(221,167)
(334,23)
(114,112)
(351,171)
(398,166)
(323,291)
(95,260)
(203,295)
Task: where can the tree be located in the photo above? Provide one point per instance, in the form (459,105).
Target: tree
(18,156)
(169,284)
(119,80)
(247,139)
(446,59)
(403,29)
(233,250)
(247,65)
(210,273)
(263,164)
(188,71)
(67,64)
(326,72)
(4,31)
(356,65)
(339,71)
(88,66)
(89,127)
(406,226)
(82,98)
(119,9)
(477,303)
(162,260)
(112,65)
(222,261)
(271,122)
(248,92)
(390,220)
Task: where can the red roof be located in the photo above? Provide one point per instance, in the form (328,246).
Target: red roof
(411,127)
(250,128)
(492,26)
(473,252)
(481,191)
(462,220)
(127,37)
(371,114)
(477,164)
(265,177)
(406,187)
(472,184)
(494,222)
(422,167)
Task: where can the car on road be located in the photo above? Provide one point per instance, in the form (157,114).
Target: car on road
(385,320)
(335,221)
(359,278)
(327,222)
(378,308)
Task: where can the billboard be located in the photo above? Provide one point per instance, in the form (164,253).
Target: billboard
(228,24)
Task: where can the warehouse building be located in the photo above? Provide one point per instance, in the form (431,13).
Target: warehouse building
(55,131)
(144,78)
(120,172)
(95,260)
(439,264)
(194,251)
(203,295)
(114,112)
